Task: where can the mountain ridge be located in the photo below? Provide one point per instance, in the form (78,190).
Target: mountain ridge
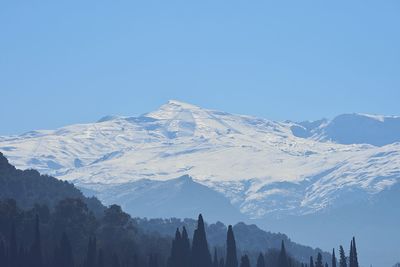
(245,158)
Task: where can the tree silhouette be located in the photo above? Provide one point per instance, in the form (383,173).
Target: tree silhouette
(334,260)
(186,252)
(319,263)
(283,258)
(260,260)
(13,248)
(100,259)
(221,263)
(244,261)
(215,259)
(91,254)
(63,254)
(231,256)
(200,254)
(176,257)
(342,261)
(36,248)
(353,258)
(311,262)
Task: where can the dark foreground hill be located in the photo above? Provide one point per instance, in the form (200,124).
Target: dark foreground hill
(62,208)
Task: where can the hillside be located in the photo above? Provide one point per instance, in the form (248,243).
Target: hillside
(28,188)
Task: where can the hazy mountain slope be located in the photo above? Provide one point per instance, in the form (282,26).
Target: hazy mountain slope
(181,198)
(249,238)
(353,129)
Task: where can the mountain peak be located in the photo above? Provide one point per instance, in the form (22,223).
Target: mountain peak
(174,109)
(180,104)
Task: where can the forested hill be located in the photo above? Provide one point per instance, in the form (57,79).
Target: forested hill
(249,238)
(62,208)
(29,187)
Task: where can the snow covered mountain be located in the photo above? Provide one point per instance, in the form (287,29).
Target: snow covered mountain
(251,167)
(261,166)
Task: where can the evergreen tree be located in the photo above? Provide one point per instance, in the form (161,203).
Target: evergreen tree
(175,259)
(244,261)
(342,261)
(231,256)
(22,259)
(326,264)
(63,255)
(353,261)
(351,264)
(215,259)
(283,258)
(90,260)
(200,254)
(100,259)
(36,248)
(153,262)
(319,263)
(186,253)
(311,261)
(260,260)
(115,261)
(3,256)
(13,248)
(221,262)
(334,260)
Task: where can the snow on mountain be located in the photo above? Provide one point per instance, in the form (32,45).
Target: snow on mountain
(263,167)
(298,178)
(376,130)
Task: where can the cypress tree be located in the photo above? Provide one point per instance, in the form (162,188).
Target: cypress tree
(244,261)
(91,253)
(319,263)
(36,248)
(3,258)
(115,261)
(333,258)
(175,259)
(351,254)
(63,253)
(283,258)
(260,260)
(22,259)
(221,262)
(200,254)
(342,261)
(354,256)
(215,259)
(186,253)
(153,262)
(100,259)
(13,248)
(231,256)
(311,261)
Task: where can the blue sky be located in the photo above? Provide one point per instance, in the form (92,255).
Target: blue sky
(64,62)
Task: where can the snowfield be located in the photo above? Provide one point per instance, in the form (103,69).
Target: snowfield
(262,167)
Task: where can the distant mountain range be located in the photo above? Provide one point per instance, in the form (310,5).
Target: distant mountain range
(285,176)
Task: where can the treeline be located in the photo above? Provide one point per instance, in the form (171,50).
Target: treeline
(71,236)
(182,255)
